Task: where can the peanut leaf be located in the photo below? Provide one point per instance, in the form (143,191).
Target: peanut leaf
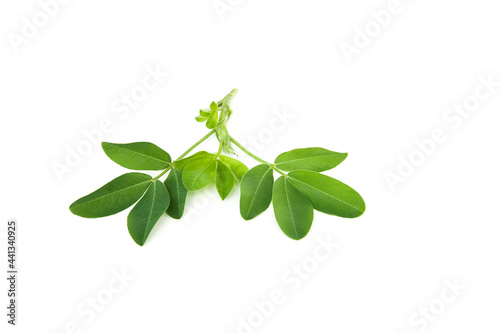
(328,195)
(137,155)
(313,159)
(256,191)
(143,217)
(117,195)
(292,209)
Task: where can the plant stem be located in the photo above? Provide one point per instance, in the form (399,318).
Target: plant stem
(258,159)
(163,172)
(209,134)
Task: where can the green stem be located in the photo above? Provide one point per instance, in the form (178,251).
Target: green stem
(163,172)
(209,134)
(258,159)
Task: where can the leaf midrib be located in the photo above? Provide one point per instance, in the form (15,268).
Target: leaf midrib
(305,158)
(112,193)
(150,213)
(290,210)
(139,153)
(328,194)
(256,190)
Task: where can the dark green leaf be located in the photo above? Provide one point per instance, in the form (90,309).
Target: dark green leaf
(224,180)
(313,159)
(178,193)
(292,209)
(237,168)
(117,195)
(143,217)
(181,164)
(328,195)
(137,155)
(256,191)
(199,173)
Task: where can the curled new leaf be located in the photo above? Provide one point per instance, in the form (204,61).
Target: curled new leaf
(313,159)
(137,155)
(212,119)
(328,195)
(292,209)
(143,217)
(117,195)
(256,191)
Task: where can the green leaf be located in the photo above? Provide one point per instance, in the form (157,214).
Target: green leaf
(237,168)
(181,164)
(117,195)
(143,217)
(201,119)
(137,155)
(178,193)
(256,191)
(199,173)
(212,120)
(328,195)
(313,159)
(205,112)
(224,180)
(214,106)
(292,209)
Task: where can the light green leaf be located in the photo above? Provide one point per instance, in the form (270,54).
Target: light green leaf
(328,195)
(313,159)
(137,155)
(214,106)
(199,173)
(201,119)
(224,180)
(292,209)
(117,195)
(143,217)
(178,193)
(237,168)
(181,164)
(205,112)
(256,191)
(212,119)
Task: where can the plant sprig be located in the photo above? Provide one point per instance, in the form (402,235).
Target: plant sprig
(300,188)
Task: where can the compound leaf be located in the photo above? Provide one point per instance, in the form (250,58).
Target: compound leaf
(328,195)
(292,209)
(313,159)
(143,217)
(256,191)
(117,195)
(137,155)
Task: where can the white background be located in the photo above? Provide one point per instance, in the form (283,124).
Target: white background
(203,273)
